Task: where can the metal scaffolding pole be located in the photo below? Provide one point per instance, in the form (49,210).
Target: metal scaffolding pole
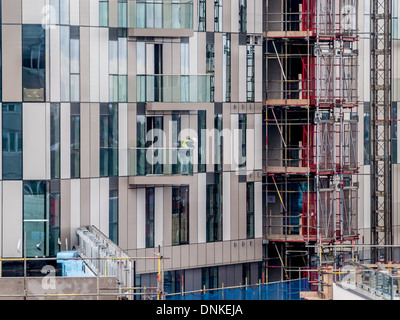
(381,129)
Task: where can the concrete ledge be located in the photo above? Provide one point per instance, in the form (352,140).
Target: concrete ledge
(168,33)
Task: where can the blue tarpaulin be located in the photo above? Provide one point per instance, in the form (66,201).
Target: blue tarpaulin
(277,291)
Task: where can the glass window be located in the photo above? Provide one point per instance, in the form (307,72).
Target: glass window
(210,277)
(242,15)
(250,210)
(33,62)
(218,142)
(242,140)
(250,73)
(202,143)
(65,62)
(227,67)
(41,214)
(54,236)
(174,281)
(113,216)
(176,129)
(12,141)
(103,13)
(214,210)
(122,13)
(108,140)
(64,11)
(150,217)
(180,215)
(55,140)
(75,141)
(118,80)
(367,133)
(218,15)
(202,15)
(210,62)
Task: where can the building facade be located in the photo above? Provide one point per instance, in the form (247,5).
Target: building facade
(98,100)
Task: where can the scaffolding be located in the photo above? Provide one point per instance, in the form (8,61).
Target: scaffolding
(311,127)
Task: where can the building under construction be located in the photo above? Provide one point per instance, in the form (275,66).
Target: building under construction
(329,125)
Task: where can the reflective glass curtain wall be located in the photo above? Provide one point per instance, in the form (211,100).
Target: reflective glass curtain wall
(75,140)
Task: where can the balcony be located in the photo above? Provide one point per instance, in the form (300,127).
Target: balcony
(158,18)
(175,88)
(160,161)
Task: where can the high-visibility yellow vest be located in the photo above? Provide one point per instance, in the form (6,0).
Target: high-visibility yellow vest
(184,144)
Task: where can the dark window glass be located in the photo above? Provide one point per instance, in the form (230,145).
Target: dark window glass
(54,236)
(12,141)
(214,210)
(250,73)
(202,15)
(75,143)
(242,140)
(33,62)
(242,15)
(150,217)
(250,210)
(113,215)
(180,215)
(218,142)
(210,277)
(202,126)
(174,281)
(55,140)
(367,133)
(109,140)
(246,273)
(176,129)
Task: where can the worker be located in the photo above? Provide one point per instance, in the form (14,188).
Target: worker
(185,153)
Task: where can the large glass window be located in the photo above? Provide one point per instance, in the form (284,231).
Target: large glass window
(214,209)
(250,210)
(202,143)
(394,133)
(55,140)
(250,73)
(75,140)
(367,133)
(209,277)
(174,281)
(149,139)
(150,217)
(210,61)
(75,63)
(242,140)
(202,15)
(227,67)
(103,13)
(113,216)
(118,66)
(12,141)
(108,140)
(122,13)
(242,15)
(218,15)
(33,62)
(218,142)
(41,212)
(180,215)
(176,129)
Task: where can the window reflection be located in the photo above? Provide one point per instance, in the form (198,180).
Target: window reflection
(33,62)
(12,141)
